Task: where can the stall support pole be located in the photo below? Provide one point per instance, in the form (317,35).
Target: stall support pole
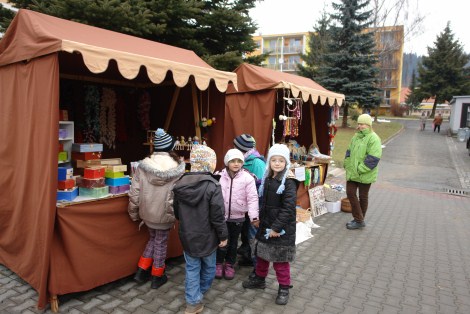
(172,108)
(196,111)
(312,122)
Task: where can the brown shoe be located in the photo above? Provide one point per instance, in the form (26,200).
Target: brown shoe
(194,308)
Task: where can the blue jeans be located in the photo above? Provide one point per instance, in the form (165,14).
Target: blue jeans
(200,272)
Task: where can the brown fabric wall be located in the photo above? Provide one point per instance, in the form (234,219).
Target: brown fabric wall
(94,243)
(29,117)
(250,113)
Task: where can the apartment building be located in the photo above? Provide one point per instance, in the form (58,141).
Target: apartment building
(389,41)
(285,51)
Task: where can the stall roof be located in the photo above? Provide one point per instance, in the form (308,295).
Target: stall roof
(254,78)
(32,34)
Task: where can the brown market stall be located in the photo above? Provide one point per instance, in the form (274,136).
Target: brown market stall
(64,249)
(262,97)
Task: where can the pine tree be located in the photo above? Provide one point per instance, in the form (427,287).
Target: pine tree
(350,60)
(414,98)
(442,72)
(317,47)
(218,30)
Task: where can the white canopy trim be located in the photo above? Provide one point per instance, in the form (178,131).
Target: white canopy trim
(97,59)
(306,93)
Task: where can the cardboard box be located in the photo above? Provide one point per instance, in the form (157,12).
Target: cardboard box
(333,207)
(86,156)
(94,192)
(87,147)
(113,175)
(64,173)
(118,181)
(66,184)
(63,156)
(68,195)
(63,133)
(94,172)
(119,189)
(90,183)
(97,162)
(116,168)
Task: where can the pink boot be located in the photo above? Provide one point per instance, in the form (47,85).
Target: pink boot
(219,271)
(229,272)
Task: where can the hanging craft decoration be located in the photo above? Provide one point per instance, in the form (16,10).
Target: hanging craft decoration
(108,117)
(91,129)
(204,120)
(332,129)
(144,110)
(293,118)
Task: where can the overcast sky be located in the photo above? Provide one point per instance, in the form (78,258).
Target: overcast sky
(291,16)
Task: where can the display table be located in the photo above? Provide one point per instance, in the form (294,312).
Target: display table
(95,243)
(303,198)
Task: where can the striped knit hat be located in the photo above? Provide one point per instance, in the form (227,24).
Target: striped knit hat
(276,150)
(162,142)
(244,142)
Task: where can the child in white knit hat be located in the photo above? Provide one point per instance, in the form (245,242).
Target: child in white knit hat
(275,240)
(240,197)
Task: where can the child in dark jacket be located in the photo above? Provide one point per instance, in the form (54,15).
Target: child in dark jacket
(275,239)
(199,207)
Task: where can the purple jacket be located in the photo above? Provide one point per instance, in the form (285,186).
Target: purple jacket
(240,195)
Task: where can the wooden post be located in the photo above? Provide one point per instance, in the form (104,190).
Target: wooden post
(312,123)
(169,116)
(196,110)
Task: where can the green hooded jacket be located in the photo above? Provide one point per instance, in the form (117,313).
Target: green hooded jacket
(362,157)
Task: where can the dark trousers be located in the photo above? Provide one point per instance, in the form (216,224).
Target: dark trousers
(438,127)
(229,252)
(358,205)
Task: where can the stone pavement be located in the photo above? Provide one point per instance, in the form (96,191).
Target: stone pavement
(412,257)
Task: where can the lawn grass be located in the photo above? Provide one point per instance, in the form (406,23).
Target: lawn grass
(341,141)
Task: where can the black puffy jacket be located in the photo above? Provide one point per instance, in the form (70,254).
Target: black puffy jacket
(278,211)
(199,206)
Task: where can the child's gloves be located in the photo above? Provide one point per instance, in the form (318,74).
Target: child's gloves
(268,231)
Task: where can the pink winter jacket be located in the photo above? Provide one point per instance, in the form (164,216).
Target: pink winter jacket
(240,195)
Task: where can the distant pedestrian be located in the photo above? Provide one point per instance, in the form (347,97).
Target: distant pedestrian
(199,207)
(437,123)
(255,164)
(240,197)
(361,160)
(422,120)
(275,239)
(150,200)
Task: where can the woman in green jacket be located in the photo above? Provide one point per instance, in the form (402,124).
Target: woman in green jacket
(362,157)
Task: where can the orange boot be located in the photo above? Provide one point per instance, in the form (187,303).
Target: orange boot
(158,277)
(143,271)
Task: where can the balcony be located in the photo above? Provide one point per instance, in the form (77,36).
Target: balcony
(285,67)
(286,50)
(388,83)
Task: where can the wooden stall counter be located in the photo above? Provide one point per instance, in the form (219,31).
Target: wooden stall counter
(95,243)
